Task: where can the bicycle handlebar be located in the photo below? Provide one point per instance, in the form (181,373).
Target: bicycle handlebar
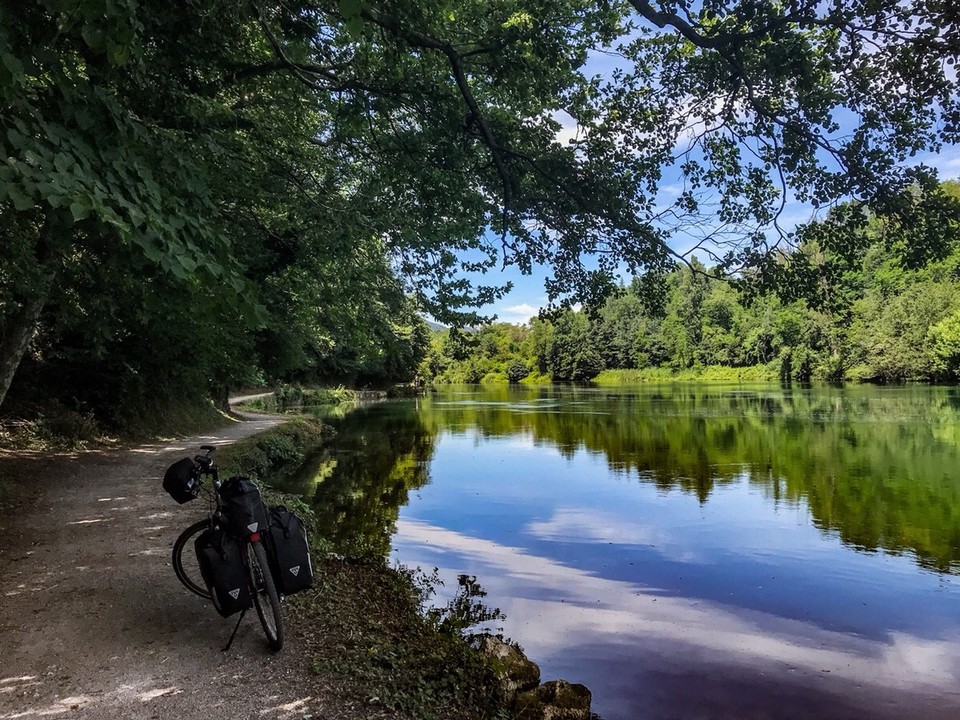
(205,461)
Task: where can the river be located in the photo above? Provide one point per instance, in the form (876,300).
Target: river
(684,551)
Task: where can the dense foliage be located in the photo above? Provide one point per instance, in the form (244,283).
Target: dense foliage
(168,229)
(871,318)
(206,193)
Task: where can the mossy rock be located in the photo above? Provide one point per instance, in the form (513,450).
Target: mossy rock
(554,700)
(515,671)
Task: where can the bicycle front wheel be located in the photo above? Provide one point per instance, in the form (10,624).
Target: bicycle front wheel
(265,597)
(184,559)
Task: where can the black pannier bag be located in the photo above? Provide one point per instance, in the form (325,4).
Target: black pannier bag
(289,552)
(224,573)
(243,509)
(181,481)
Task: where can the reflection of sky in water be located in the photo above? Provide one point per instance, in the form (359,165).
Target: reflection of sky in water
(665,607)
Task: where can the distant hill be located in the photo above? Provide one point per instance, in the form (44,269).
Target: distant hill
(435,326)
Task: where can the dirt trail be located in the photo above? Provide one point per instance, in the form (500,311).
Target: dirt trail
(93,622)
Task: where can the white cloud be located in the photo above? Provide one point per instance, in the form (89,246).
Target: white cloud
(569,129)
(590,526)
(558,607)
(946,163)
(517,313)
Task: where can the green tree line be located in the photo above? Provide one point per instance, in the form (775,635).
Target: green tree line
(873,317)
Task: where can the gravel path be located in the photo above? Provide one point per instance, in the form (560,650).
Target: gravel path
(93,622)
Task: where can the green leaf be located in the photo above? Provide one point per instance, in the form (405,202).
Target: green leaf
(21,201)
(17,139)
(62,162)
(94,36)
(80,211)
(118,54)
(12,64)
(354,24)
(152,252)
(351,8)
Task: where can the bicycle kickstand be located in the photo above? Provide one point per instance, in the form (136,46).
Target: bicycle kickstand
(234,633)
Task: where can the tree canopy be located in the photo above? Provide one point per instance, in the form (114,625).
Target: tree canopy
(280,187)
(871,316)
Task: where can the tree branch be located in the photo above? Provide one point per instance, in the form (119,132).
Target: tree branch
(477,118)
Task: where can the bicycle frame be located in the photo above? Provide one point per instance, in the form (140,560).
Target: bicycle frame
(253,552)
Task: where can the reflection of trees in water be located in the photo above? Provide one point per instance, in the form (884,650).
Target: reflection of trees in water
(358,486)
(879,468)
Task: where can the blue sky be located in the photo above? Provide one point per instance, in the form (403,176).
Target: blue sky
(528,294)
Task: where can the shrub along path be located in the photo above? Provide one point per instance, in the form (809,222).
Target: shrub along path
(93,622)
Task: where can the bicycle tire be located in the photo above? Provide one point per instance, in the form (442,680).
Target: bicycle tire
(265,597)
(189,572)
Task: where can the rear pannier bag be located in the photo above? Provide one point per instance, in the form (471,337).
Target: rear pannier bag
(243,509)
(181,481)
(289,552)
(223,571)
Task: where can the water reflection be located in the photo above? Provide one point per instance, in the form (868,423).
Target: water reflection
(358,487)
(684,551)
(569,618)
(878,467)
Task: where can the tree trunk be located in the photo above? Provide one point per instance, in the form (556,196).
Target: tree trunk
(18,333)
(21,325)
(221,397)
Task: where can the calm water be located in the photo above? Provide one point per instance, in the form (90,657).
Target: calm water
(686,552)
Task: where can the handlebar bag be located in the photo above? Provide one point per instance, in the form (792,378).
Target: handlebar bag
(223,571)
(243,508)
(181,481)
(289,552)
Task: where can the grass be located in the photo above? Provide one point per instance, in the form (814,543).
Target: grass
(280,450)
(535,378)
(288,398)
(711,373)
(365,633)
(173,419)
(53,426)
(368,640)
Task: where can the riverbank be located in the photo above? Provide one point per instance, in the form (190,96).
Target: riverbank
(111,634)
(366,635)
(711,373)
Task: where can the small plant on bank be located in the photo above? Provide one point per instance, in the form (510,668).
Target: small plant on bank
(466,611)
(369,638)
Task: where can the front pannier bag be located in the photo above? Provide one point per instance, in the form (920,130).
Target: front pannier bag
(181,481)
(289,552)
(243,508)
(223,571)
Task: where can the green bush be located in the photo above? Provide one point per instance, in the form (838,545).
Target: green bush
(517,371)
(279,450)
(494,378)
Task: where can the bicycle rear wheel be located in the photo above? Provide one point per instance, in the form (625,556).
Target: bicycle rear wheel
(265,597)
(184,560)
